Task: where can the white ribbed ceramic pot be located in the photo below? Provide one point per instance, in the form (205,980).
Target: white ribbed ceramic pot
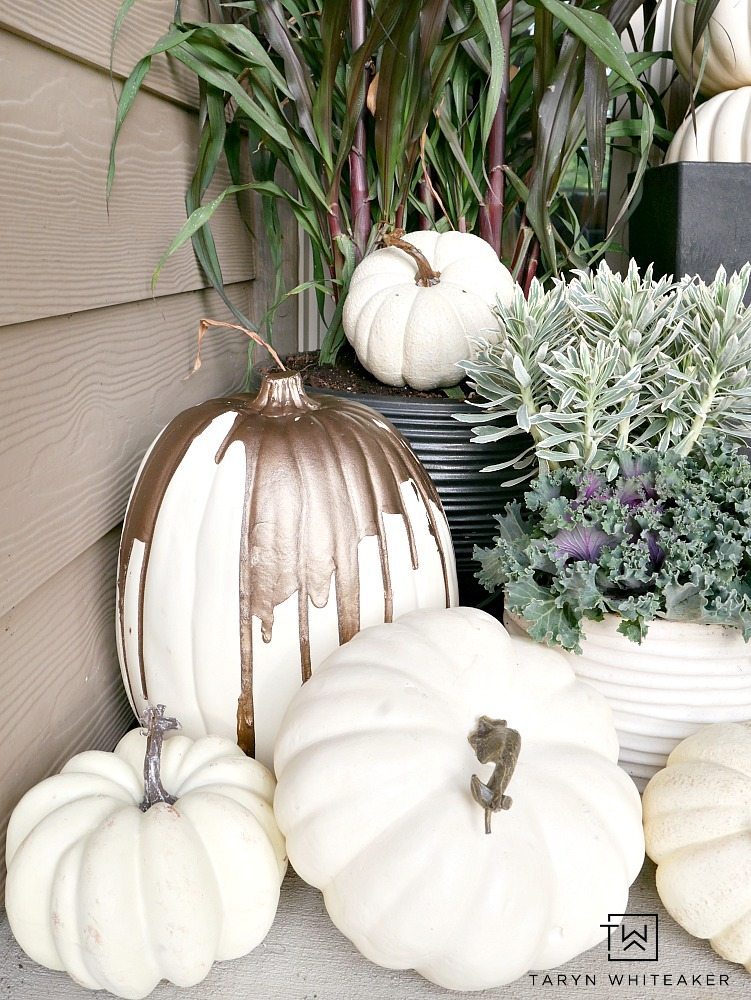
(682,676)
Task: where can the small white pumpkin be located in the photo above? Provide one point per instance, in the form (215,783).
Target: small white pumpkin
(412,321)
(728,64)
(377,798)
(722,134)
(697,822)
(121,889)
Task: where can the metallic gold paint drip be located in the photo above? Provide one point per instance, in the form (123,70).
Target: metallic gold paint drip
(320,476)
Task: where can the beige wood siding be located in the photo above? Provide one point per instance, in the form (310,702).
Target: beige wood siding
(92,364)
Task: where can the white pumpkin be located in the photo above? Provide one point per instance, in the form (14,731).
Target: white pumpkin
(121,898)
(728,64)
(697,822)
(408,328)
(381,812)
(722,134)
(262,531)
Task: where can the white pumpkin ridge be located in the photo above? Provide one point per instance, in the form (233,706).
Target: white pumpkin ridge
(723,131)
(374,795)
(697,821)
(407,334)
(121,898)
(728,64)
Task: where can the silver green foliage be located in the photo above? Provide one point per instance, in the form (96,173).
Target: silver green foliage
(605,362)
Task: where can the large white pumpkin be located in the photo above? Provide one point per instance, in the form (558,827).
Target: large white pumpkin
(722,133)
(697,822)
(377,799)
(410,329)
(728,64)
(121,894)
(262,532)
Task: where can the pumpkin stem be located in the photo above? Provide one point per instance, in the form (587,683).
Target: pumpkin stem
(156,725)
(426,276)
(494,742)
(206,324)
(282,394)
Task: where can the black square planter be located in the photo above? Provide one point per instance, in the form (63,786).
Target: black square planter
(692,217)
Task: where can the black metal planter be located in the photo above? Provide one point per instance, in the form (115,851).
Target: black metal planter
(470,497)
(692,217)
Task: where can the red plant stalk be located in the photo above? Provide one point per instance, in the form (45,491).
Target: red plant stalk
(358,176)
(426,197)
(335,229)
(491,213)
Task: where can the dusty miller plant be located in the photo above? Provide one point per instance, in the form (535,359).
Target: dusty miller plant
(606,362)
(668,537)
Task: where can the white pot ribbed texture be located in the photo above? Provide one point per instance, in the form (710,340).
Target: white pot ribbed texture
(683,675)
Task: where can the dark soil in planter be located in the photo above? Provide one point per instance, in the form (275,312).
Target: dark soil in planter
(470,497)
(349,376)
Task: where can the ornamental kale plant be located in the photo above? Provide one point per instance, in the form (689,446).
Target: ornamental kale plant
(668,537)
(605,363)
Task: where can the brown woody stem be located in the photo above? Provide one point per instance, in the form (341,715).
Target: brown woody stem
(494,743)
(156,725)
(426,276)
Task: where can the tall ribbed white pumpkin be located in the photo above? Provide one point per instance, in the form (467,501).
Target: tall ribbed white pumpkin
(728,64)
(723,131)
(262,532)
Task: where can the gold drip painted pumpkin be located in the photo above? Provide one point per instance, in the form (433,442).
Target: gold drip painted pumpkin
(262,532)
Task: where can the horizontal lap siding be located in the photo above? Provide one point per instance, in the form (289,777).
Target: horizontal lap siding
(93,365)
(60,688)
(82,29)
(63,251)
(87,395)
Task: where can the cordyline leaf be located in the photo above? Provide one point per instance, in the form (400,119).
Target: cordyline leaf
(298,79)
(122,13)
(598,35)
(433,18)
(559,108)
(385,18)
(334,20)
(596,100)
(243,39)
(210,150)
(462,27)
(223,80)
(620,13)
(195,221)
(703,12)
(395,103)
(627,127)
(201,215)
(211,50)
(432,23)
(544,61)
(487,14)
(132,85)
(452,137)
